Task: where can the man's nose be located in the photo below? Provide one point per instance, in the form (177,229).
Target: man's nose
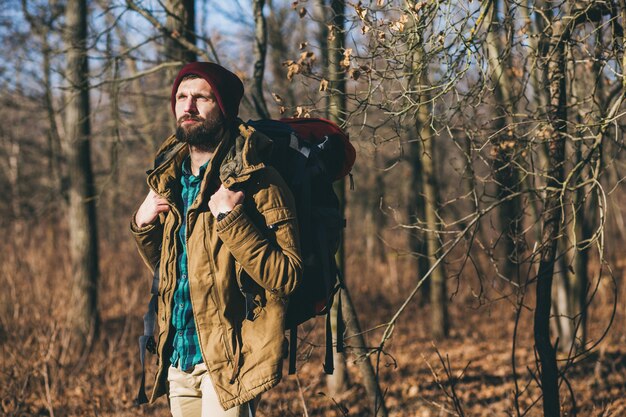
(190,106)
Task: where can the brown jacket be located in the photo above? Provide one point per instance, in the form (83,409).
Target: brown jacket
(256,246)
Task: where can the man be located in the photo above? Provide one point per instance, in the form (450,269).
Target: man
(217,221)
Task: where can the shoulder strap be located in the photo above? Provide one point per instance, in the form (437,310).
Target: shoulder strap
(146,341)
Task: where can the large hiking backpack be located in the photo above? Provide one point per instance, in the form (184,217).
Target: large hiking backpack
(310,154)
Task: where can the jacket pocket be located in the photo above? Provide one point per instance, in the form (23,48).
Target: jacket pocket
(253,293)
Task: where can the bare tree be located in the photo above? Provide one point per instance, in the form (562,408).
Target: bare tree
(260,51)
(181,23)
(338,381)
(82,193)
(505,145)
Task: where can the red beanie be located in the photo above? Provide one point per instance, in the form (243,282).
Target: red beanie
(226,86)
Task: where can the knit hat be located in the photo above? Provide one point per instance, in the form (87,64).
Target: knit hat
(226,86)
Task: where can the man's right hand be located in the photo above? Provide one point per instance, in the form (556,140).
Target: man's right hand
(150,209)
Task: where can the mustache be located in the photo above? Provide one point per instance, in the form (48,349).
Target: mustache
(189,117)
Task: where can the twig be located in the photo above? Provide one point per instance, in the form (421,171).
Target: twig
(301,393)
(47,387)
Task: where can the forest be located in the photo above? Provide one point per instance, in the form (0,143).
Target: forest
(481,254)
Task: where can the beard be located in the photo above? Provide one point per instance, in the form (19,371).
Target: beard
(205,133)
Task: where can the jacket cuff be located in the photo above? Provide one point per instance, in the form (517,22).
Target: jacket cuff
(230,218)
(140,230)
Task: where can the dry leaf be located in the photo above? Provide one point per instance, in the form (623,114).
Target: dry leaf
(360,11)
(418,6)
(345,63)
(302,13)
(303,45)
(306,55)
(299,111)
(380,3)
(292,70)
(518,72)
(323,85)
(398,25)
(381,36)
(331,33)
(282,109)
(365,29)
(278,99)
(294,5)
(355,74)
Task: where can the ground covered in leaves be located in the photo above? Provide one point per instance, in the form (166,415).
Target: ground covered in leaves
(471,373)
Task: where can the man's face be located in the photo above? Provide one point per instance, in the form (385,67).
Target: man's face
(198,116)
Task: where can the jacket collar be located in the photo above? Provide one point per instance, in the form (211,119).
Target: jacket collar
(240,153)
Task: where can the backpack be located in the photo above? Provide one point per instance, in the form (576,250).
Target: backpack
(310,154)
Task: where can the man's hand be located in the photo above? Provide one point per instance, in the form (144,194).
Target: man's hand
(224,200)
(150,209)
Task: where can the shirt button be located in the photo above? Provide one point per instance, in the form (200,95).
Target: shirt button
(184,276)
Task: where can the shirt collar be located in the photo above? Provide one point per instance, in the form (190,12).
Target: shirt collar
(187,168)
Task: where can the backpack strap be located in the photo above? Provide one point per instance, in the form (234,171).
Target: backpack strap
(329,362)
(293,347)
(341,325)
(146,341)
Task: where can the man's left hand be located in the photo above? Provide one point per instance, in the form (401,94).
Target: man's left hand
(224,200)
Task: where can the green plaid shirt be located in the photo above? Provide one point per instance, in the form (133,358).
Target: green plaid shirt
(186,351)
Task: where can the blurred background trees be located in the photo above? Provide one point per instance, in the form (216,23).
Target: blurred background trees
(489,171)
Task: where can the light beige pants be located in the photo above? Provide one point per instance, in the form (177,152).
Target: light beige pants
(192,395)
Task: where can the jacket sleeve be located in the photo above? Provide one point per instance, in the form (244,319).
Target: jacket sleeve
(270,257)
(148,239)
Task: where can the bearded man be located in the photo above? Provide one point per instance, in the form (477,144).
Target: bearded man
(217,221)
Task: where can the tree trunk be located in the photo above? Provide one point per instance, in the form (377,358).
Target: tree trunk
(370,378)
(505,171)
(82,195)
(260,50)
(417,215)
(425,150)
(279,53)
(54,139)
(15,192)
(180,21)
(338,381)
(115,193)
(374,220)
(440,325)
(555,135)
(322,15)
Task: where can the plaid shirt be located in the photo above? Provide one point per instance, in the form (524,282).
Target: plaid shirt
(186,345)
